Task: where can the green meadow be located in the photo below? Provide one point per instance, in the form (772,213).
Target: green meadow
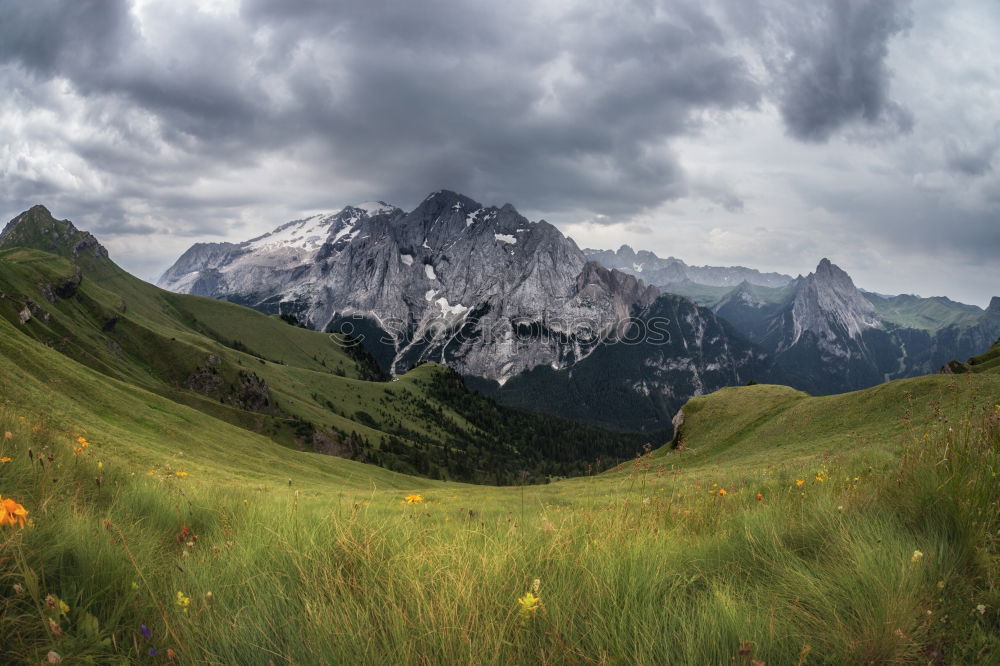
(860,528)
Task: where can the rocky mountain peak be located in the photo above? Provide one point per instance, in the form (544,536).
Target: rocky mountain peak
(828,304)
(450,267)
(37,228)
(994,306)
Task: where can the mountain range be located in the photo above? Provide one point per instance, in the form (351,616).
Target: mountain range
(618,338)
(106,339)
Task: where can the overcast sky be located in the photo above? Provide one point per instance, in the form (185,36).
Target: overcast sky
(767,133)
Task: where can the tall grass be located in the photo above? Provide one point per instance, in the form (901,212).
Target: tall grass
(896,564)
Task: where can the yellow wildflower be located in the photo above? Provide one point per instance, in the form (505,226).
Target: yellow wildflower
(182,601)
(413,499)
(529,603)
(5,459)
(917,556)
(722,492)
(181,474)
(63,607)
(820,479)
(11,513)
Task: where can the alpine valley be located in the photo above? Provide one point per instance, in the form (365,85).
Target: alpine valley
(621,339)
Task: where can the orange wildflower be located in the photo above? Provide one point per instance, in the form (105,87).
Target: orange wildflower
(11,513)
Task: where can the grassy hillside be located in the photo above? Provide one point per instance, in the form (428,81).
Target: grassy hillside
(846,529)
(303,389)
(929,314)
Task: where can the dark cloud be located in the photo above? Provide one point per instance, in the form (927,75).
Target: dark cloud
(831,67)
(972,161)
(403,97)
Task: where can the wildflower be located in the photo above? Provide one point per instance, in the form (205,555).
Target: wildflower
(100,465)
(857,478)
(183,602)
(820,479)
(799,482)
(50,601)
(82,442)
(171,655)
(63,607)
(413,499)
(8,434)
(840,508)
(54,627)
(180,474)
(722,492)
(940,584)
(144,630)
(760,497)
(11,513)
(53,657)
(135,585)
(917,556)
(152,652)
(18,588)
(529,603)
(981,608)
(5,459)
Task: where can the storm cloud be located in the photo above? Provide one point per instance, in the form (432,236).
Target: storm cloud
(219,120)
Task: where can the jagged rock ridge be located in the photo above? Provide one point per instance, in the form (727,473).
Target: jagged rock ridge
(664,272)
(480,288)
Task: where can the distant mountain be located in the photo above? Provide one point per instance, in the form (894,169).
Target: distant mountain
(672,271)
(479,288)
(526,316)
(827,336)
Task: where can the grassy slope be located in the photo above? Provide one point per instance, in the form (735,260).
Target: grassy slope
(185,330)
(648,564)
(930,314)
(988,361)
